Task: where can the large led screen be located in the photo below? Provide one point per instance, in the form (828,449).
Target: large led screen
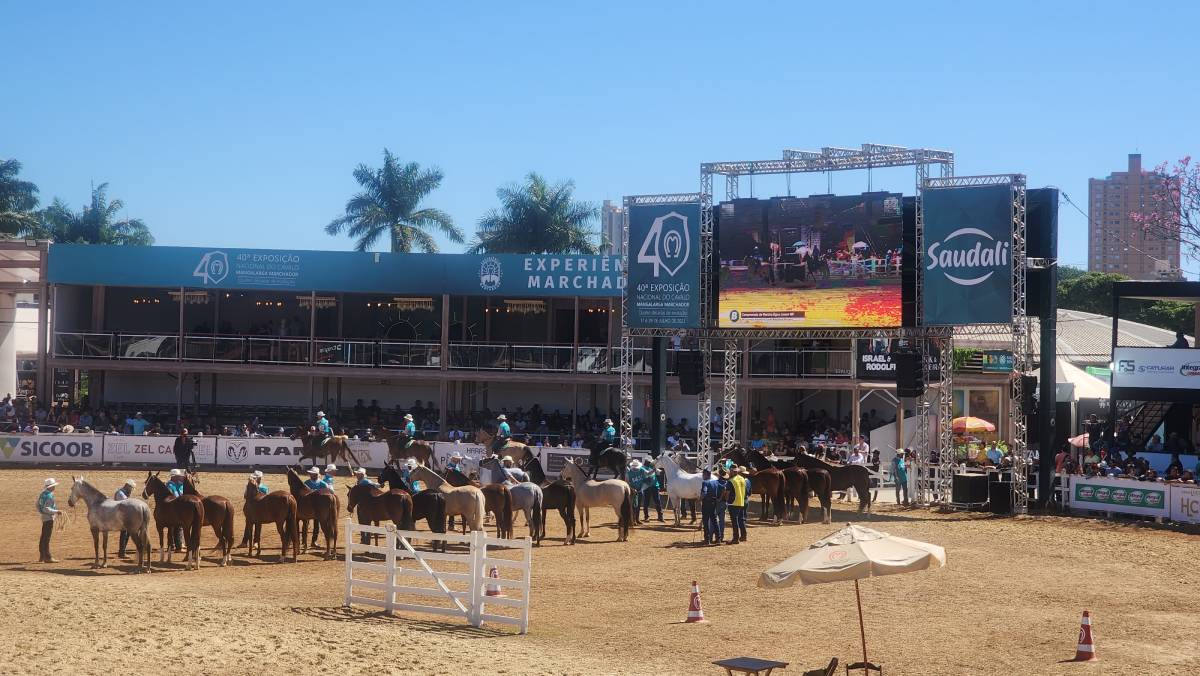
(823,261)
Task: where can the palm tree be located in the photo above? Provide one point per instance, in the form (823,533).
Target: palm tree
(536,217)
(18,200)
(388,205)
(97,223)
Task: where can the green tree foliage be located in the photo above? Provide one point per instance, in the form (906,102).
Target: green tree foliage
(1092,292)
(389,205)
(96,223)
(536,217)
(18,200)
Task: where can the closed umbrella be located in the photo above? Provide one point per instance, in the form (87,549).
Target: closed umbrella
(853,553)
(971,425)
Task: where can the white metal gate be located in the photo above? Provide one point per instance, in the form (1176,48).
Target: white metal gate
(461,581)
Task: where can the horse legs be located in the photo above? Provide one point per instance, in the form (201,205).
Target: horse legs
(104,561)
(281,526)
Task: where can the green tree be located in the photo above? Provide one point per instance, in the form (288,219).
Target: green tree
(96,223)
(1067,273)
(1092,292)
(388,205)
(536,217)
(18,200)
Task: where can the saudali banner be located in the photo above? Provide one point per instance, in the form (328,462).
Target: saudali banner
(967,261)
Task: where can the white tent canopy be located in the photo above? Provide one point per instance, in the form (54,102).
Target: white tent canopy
(1073,384)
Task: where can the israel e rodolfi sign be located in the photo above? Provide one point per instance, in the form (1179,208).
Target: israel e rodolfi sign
(967,264)
(47,449)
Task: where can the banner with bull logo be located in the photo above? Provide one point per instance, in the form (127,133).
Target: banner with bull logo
(664,266)
(282,451)
(967,261)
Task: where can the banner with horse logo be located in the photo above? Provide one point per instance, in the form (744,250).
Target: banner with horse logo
(664,266)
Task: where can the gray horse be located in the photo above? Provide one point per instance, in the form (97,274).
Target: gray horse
(131,515)
(526,495)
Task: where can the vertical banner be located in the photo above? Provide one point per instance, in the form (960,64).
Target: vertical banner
(664,266)
(967,263)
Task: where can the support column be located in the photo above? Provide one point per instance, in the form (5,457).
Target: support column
(658,395)
(8,344)
(443,406)
(44,389)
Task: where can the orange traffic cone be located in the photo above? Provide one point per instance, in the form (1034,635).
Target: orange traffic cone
(1086,650)
(493,589)
(695,612)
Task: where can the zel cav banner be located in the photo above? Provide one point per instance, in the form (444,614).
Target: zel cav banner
(664,266)
(967,263)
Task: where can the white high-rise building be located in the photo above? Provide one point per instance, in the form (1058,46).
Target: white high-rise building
(612,221)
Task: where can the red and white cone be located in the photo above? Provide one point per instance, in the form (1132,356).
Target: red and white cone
(1085,651)
(493,589)
(695,611)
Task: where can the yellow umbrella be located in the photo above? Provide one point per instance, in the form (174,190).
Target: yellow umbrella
(852,553)
(971,425)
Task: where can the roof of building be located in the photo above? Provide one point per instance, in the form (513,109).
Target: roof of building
(1083,337)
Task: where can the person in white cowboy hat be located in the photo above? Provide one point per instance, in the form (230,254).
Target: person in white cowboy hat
(175,485)
(609,435)
(361,475)
(48,512)
(123,493)
(330,473)
(314,479)
(257,477)
(636,478)
(456,462)
(410,430)
(503,434)
(515,473)
(323,427)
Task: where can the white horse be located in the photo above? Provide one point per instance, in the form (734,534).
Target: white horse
(526,495)
(131,515)
(591,493)
(681,485)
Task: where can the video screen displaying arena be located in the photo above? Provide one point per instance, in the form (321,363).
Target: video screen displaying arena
(823,261)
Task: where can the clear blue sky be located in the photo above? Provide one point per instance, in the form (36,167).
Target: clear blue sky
(239,125)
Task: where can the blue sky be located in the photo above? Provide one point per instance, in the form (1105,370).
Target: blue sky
(240,124)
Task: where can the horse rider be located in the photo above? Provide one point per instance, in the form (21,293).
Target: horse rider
(410,430)
(257,477)
(456,462)
(175,487)
(314,479)
(609,435)
(323,427)
(361,475)
(503,434)
(185,455)
(48,512)
(515,473)
(123,493)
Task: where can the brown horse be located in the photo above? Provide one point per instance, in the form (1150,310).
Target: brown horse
(497,499)
(819,482)
(170,512)
(372,505)
(315,448)
(519,452)
(842,477)
(558,495)
(277,507)
(428,504)
(319,506)
(768,483)
(796,488)
(464,501)
(218,513)
(399,449)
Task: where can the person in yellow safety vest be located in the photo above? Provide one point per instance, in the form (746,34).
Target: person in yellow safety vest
(737,505)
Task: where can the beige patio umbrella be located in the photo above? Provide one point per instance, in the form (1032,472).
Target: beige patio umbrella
(853,553)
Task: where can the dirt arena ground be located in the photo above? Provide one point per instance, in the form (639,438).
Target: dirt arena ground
(1008,602)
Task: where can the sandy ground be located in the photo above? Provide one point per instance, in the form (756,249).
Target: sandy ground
(1008,602)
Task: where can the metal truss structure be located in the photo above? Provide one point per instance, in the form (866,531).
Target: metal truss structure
(1021,346)
(625,353)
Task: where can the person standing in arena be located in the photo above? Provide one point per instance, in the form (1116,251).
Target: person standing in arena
(185,456)
(737,506)
(650,488)
(48,512)
(123,493)
(710,492)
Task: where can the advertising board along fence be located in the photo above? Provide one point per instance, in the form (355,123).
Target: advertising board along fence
(458,583)
(1120,496)
(52,449)
(157,450)
(282,451)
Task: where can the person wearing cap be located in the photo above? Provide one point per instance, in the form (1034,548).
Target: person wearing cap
(314,479)
(609,435)
(456,462)
(361,475)
(176,486)
(257,477)
(137,424)
(410,430)
(636,478)
(722,502)
(123,493)
(503,434)
(515,473)
(710,492)
(738,486)
(323,427)
(650,490)
(48,512)
(330,473)
(900,475)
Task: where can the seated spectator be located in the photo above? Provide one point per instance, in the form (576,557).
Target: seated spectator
(1155,445)
(1175,464)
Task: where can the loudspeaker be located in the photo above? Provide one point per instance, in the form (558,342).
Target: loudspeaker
(908,263)
(1000,497)
(910,374)
(969,489)
(1028,390)
(1041,241)
(689,364)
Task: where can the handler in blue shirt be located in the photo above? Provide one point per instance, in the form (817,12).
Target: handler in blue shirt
(503,434)
(257,477)
(330,473)
(710,493)
(323,427)
(361,474)
(175,485)
(314,479)
(609,435)
(410,427)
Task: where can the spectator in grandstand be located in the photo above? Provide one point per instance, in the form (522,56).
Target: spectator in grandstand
(1060,458)
(1175,444)
(1095,430)
(1180,340)
(1155,445)
(993,454)
(1175,464)
(136,425)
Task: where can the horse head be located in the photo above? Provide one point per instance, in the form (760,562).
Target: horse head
(251,489)
(76,488)
(352,493)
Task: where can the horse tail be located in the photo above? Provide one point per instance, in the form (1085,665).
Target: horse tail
(864,493)
(781,497)
(507,507)
(433,461)
(480,510)
(292,529)
(194,531)
(626,513)
(536,513)
(227,530)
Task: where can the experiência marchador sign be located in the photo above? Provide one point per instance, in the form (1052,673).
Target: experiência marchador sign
(664,266)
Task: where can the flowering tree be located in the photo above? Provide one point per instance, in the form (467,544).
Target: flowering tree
(1171,209)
